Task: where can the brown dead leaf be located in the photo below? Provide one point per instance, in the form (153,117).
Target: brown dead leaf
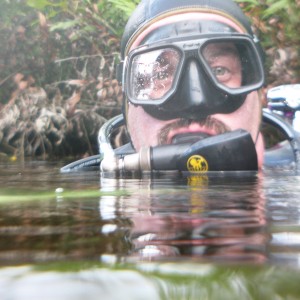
(18,77)
(20,33)
(99,85)
(72,102)
(77,82)
(43,20)
(95,7)
(22,85)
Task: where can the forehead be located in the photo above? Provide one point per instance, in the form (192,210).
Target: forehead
(183,25)
(215,49)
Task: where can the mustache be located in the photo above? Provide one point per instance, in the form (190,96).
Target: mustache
(209,123)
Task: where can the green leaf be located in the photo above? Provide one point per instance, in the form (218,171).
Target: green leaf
(124,5)
(274,8)
(38,4)
(253,2)
(43,4)
(63,25)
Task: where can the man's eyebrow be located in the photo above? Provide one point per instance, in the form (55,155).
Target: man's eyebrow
(220,51)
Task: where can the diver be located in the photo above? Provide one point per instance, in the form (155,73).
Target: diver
(191,74)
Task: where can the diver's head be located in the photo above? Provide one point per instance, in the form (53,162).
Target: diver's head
(192,69)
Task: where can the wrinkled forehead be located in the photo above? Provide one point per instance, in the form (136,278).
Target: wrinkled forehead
(185,25)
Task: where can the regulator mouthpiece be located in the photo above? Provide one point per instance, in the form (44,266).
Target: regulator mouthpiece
(231,151)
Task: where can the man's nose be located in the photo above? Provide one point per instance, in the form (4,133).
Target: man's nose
(196,91)
(193,84)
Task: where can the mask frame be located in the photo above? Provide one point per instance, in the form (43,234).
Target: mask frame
(191,48)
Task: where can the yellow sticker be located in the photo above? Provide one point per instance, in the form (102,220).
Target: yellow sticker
(197,163)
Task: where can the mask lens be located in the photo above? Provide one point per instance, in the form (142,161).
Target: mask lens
(233,64)
(152,74)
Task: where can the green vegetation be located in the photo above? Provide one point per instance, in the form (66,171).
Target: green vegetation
(10,195)
(277,20)
(277,24)
(58,59)
(57,81)
(49,42)
(195,281)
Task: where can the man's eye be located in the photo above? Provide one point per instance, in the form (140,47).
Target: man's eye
(219,71)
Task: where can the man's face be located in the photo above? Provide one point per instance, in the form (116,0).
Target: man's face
(225,64)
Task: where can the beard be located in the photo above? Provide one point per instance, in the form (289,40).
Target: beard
(210,123)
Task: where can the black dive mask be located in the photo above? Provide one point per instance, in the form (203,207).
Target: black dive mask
(193,78)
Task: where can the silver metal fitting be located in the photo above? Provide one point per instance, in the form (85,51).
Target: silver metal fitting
(132,162)
(138,161)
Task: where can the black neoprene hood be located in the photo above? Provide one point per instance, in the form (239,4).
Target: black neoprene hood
(150,10)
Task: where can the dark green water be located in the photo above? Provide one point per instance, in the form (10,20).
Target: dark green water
(222,236)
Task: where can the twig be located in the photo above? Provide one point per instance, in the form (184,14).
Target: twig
(9,76)
(83,56)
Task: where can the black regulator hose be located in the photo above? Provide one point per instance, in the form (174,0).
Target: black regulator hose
(231,151)
(88,162)
(105,147)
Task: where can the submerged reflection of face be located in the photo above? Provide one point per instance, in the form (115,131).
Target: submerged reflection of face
(198,224)
(225,63)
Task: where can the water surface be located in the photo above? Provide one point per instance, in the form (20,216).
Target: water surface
(221,236)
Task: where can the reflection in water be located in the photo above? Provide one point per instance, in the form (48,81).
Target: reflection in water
(219,218)
(282,190)
(193,237)
(53,228)
(235,217)
(49,231)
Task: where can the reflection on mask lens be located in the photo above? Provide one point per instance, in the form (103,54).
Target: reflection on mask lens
(152,73)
